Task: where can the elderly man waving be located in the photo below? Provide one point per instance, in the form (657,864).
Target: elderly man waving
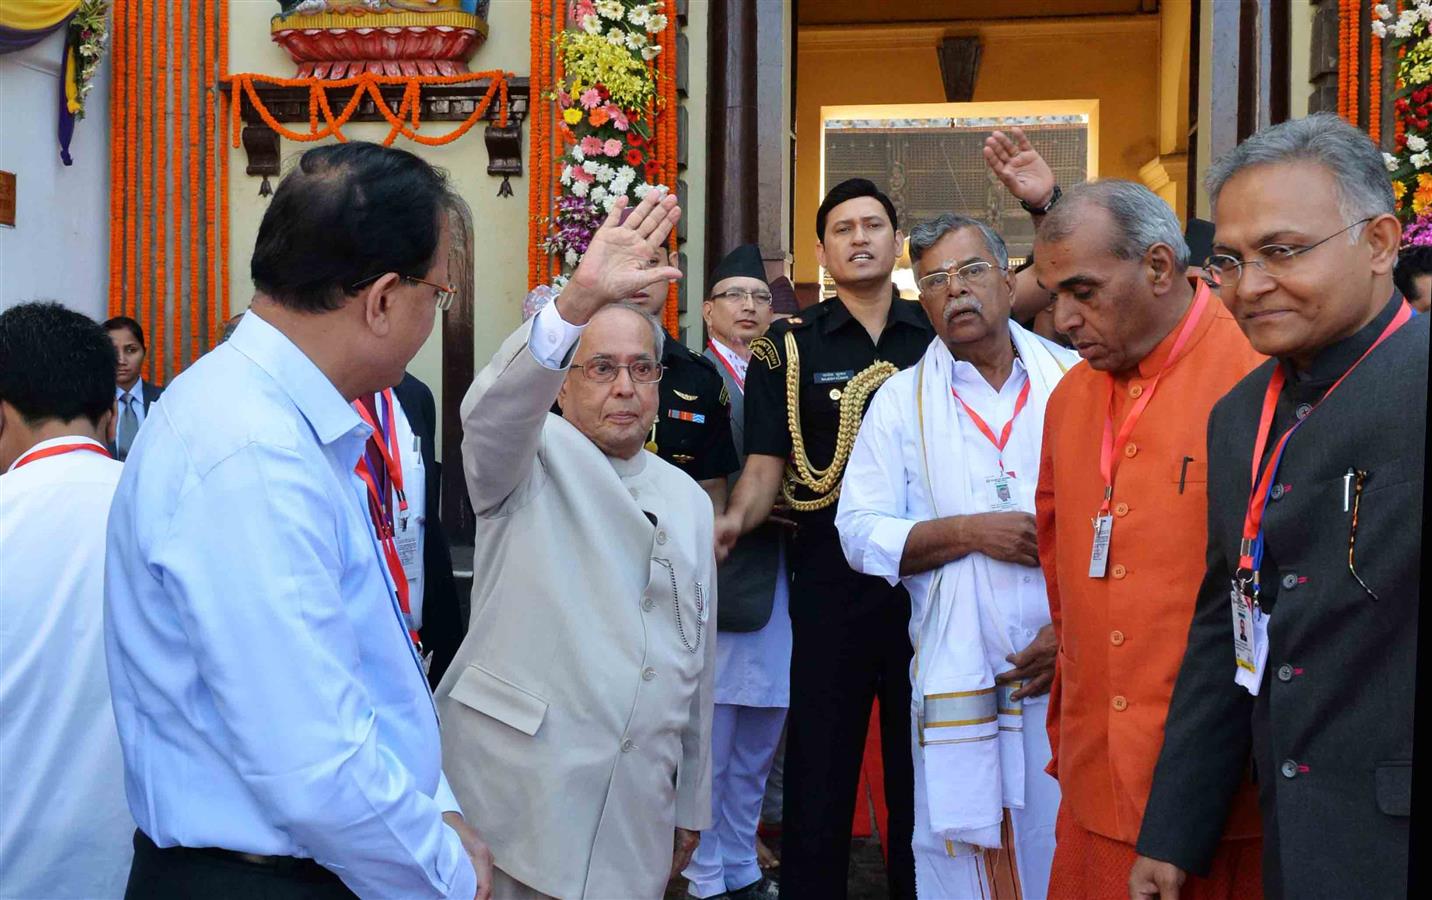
(577,712)
(941,496)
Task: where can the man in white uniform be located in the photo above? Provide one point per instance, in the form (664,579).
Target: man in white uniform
(577,712)
(64,825)
(940,494)
(753,657)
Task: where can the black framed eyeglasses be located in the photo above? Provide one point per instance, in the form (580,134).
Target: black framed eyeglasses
(446,293)
(1276,260)
(736,295)
(604,371)
(974,273)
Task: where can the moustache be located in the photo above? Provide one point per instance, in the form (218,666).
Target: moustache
(955,307)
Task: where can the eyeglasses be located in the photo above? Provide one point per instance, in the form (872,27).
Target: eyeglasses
(1276,260)
(1360,477)
(446,293)
(736,295)
(975,273)
(604,371)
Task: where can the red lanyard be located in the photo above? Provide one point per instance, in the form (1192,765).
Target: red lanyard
(1250,552)
(388,448)
(1003,439)
(716,351)
(59,450)
(1107,466)
(386,438)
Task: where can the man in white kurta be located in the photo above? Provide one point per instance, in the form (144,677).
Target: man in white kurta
(939,494)
(65,829)
(577,713)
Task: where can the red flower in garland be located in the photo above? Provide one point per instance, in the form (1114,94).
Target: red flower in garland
(633,157)
(634,139)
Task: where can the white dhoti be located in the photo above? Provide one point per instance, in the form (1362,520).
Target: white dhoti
(948,871)
(984,808)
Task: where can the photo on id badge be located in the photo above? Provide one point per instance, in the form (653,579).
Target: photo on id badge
(999,492)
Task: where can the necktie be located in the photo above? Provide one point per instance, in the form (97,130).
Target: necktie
(128,425)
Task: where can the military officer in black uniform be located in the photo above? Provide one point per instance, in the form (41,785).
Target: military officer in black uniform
(692,430)
(807,387)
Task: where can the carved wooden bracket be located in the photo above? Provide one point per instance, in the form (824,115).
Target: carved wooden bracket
(959,67)
(440,103)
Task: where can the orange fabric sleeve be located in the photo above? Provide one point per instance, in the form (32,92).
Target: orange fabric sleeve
(1044,526)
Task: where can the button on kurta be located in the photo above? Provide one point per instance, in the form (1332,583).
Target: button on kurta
(648,604)
(1130,449)
(1290,581)
(1121,510)
(661,537)
(1136,391)
(1302,411)
(627,745)
(1289,769)
(1277,492)
(648,673)
(1285,672)
(1120,704)
(1116,638)
(1118,571)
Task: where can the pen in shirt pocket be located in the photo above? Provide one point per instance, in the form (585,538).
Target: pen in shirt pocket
(1183,472)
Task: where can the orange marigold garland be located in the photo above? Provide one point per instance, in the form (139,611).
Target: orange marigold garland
(118,194)
(131,155)
(224,174)
(195,48)
(157,338)
(404,121)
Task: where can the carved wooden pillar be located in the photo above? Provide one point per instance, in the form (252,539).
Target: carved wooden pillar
(733,136)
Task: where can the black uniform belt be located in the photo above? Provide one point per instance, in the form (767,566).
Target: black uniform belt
(287,865)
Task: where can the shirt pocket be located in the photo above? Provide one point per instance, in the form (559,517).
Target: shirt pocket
(494,696)
(1189,470)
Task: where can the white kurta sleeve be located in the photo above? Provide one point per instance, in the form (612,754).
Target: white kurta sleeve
(693,774)
(871,513)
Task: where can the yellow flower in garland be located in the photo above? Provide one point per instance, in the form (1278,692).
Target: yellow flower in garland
(1422,197)
(591,59)
(1399,190)
(572,115)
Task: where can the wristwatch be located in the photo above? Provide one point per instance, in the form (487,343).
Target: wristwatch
(1041,210)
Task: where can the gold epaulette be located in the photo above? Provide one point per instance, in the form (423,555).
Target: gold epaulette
(799,470)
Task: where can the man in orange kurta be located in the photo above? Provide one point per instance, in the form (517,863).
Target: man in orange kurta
(1160,347)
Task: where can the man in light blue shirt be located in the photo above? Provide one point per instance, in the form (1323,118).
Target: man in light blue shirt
(278,733)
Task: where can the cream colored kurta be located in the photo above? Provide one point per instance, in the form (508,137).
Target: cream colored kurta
(576,715)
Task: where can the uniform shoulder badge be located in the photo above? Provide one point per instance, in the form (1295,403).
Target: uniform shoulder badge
(684,396)
(764,350)
(725,398)
(796,320)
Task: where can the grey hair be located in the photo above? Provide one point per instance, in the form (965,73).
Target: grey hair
(926,234)
(1141,218)
(1323,138)
(658,331)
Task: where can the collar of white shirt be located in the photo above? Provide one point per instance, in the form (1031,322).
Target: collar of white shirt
(55,442)
(330,416)
(738,364)
(137,391)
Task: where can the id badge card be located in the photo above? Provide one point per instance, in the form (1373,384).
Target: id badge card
(1099,557)
(999,493)
(1250,641)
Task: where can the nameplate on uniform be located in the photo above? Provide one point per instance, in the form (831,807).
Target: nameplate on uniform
(691,397)
(684,416)
(834,377)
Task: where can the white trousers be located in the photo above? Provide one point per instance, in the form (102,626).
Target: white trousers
(743,744)
(940,876)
